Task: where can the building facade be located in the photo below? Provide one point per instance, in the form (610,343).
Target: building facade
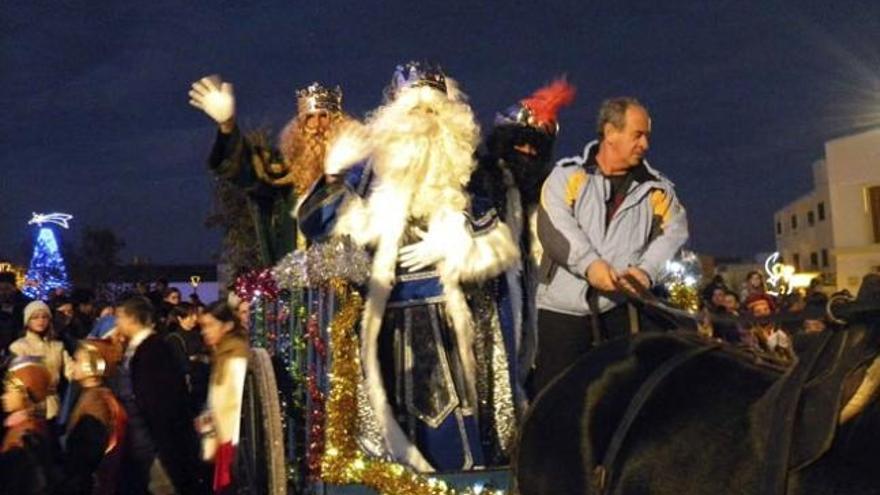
(835,229)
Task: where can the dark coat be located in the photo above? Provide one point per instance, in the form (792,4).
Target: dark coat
(161,394)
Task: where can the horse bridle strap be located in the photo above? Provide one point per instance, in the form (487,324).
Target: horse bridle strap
(602,473)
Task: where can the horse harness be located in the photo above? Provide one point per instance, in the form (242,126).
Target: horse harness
(806,398)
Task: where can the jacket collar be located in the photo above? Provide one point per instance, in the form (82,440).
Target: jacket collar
(588,161)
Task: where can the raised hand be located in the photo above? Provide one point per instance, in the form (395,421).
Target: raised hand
(214,97)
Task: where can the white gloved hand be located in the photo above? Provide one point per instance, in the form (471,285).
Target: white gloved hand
(420,255)
(214,97)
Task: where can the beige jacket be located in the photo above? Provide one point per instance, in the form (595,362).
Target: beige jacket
(56,359)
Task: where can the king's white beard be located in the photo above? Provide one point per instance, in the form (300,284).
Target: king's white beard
(427,156)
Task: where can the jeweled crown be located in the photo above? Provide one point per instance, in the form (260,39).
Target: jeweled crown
(416,74)
(317,98)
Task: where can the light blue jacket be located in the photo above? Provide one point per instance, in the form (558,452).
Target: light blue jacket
(649,227)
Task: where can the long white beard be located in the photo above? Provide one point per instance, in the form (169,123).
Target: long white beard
(429,155)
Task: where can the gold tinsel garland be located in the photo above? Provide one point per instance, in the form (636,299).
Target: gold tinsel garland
(343,461)
(684,296)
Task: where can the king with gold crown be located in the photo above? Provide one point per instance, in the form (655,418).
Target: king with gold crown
(273,177)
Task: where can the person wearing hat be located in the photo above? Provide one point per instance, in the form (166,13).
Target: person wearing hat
(513,162)
(397,186)
(769,335)
(273,179)
(96,429)
(26,453)
(39,341)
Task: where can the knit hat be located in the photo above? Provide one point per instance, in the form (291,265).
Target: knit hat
(33,308)
(29,374)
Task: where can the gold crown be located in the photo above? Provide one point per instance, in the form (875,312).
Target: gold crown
(317,98)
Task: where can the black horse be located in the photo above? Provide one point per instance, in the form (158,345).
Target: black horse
(678,414)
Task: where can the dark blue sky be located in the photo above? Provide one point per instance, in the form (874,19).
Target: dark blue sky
(743,94)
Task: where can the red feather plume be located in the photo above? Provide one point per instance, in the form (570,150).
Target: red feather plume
(546,102)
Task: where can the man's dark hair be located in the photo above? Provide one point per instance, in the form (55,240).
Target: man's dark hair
(139,308)
(182,310)
(613,111)
(171,290)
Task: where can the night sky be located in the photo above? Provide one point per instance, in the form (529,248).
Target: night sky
(95,119)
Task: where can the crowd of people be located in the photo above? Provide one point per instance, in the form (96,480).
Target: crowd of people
(755,317)
(492,270)
(123,396)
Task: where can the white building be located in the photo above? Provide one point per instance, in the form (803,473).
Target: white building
(835,229)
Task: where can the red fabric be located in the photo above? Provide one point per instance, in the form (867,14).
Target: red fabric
(223,466)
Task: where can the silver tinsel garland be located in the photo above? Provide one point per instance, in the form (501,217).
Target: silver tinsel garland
(337,258)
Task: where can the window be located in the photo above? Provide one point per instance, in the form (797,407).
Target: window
(820,209)
(814,260)
(874,207)
(811,218)
(796,261)
(794,222)
(778,227)
(825,258)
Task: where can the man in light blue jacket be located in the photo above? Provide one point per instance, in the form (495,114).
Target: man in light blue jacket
(607,222)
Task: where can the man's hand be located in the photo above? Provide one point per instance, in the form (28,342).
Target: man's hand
(602,276)
(637,274)
(216,98)
(419,255)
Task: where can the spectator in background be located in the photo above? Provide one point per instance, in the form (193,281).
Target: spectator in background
(227,340)
(141,289)
(716,282)
(171,296)
(727,306)
(39,341)
(241,308)
(96,431)
(717,299)
(26,453)
(158,293)
(68,327)
(770,336)
(12,303)
(190,351)
(163,450)
(754,284)
(84,306)
(170,299)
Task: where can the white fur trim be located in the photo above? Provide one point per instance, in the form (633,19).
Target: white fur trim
(537,250)
(470,257)
(351,145)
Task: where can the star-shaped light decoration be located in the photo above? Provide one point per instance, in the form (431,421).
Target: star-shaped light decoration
(60,219)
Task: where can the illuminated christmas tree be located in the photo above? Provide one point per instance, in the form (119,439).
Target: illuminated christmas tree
(47,270)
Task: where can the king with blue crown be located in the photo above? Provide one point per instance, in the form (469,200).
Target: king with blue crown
(397,186)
